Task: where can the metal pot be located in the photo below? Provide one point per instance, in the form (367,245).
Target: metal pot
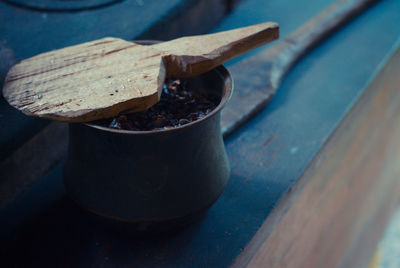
(151,176)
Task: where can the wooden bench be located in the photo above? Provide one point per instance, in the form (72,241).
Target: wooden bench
(313,180)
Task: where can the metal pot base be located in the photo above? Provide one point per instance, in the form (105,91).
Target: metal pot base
(145,178)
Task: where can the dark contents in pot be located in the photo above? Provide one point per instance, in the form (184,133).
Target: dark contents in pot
(177,106)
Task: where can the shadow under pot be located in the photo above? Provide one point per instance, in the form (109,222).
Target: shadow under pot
(149,177)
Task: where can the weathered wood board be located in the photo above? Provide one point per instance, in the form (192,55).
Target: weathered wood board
(340,206)
(155,20)
(102,78)
(311,101)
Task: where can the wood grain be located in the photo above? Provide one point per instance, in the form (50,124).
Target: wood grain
(85,82)
(102,78)
(243,105)
(337,211)
(194,55)
(196,249)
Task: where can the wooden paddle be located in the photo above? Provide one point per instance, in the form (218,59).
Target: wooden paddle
(268,68)
(102,78)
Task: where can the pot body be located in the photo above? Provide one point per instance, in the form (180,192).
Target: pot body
(151,176)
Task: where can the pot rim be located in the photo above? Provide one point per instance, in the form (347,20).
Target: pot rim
(228,84)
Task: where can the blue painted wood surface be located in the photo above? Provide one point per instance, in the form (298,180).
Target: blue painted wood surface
(43,31)
(28,32)
(267,156)
(15,128)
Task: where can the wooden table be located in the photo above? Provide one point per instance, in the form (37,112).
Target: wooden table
(314,176)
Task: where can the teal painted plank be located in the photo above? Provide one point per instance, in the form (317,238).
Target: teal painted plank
(28,32)
(267,156)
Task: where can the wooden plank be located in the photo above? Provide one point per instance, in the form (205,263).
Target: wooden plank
(251,95)
(31,161)
(268,68)
(102,78)
(7,59)
(337,211)
(193,17)
(267,156)
(16,128)
(136,20)
(123,19)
